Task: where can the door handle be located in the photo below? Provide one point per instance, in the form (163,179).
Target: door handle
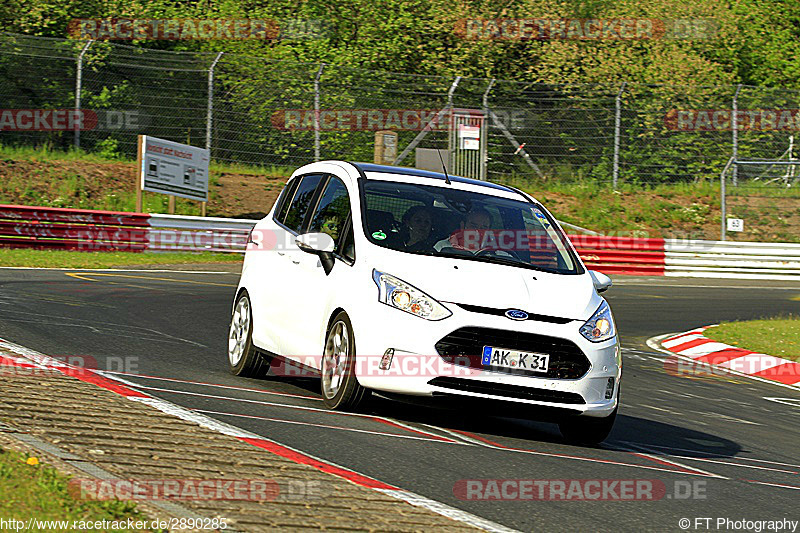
(295,262)
(281,254)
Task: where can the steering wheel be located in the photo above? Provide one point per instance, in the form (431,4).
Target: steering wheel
(492,251)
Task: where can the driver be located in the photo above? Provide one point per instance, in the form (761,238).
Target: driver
(476,221)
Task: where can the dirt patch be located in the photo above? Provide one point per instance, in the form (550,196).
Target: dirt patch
(110,185)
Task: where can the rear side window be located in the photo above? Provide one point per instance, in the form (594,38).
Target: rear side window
(285,200)
(301,201)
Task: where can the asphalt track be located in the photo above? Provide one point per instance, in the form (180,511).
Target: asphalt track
(718,434)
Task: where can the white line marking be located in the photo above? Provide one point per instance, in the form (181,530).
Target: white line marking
(446,510)
(575,457)
(773,484)
(275,404)
(381,433)
(702,451)
(638,450)
(230,387)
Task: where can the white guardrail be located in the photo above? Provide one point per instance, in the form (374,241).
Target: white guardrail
(196,234)
(726,259)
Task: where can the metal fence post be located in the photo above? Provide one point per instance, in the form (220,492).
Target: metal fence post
(722,203)
(484,140)
(78,86)
(617,120)
(210,106)
(735,128)
(316,111)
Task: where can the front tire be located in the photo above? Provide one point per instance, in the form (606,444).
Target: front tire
(587,431)
(243,358)
(340,387)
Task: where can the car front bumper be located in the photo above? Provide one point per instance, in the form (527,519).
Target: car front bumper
(417,369)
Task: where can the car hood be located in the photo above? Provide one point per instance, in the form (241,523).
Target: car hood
(465,281)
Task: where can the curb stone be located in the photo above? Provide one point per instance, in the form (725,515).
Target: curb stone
(698,347)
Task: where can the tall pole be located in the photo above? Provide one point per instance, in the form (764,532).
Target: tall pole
(316,112)
(735,127)
(617,120)
(485,133)
(78,86)
(210,105)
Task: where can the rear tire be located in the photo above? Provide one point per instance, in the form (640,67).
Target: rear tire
(243,358)
(340,387)
(587,431)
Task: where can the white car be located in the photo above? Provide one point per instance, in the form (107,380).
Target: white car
(405,281)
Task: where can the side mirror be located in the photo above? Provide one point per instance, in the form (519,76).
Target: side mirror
(601,282)
(320,244)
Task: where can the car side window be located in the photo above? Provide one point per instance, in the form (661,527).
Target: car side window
(301,202)
(332,210)
(285,200)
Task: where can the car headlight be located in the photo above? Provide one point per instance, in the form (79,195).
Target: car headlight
(397,293)
(601,326)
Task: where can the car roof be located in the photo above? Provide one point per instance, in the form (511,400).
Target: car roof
(372,167)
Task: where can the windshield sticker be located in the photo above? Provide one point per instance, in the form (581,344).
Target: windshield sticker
(379,235)
(541,216)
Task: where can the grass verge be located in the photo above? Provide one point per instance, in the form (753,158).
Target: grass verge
(29,489)
(778,336)
(23,257)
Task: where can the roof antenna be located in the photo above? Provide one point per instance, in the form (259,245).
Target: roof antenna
(446,177)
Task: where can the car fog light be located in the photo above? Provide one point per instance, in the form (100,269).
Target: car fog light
(386,360)
(610,388)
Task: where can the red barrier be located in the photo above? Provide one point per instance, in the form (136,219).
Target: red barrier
(72,229)
(621,255)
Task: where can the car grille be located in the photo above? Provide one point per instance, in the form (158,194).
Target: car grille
(464,347)
(508,391)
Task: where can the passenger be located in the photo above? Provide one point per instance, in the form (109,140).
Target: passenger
(416,231)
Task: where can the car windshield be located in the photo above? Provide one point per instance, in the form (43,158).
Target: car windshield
(444,221)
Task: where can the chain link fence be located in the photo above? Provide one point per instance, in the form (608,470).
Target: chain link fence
(254,111)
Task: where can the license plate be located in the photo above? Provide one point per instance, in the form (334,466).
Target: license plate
(505,358)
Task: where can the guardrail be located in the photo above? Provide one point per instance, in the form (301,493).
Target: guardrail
(727,259)
(87,230)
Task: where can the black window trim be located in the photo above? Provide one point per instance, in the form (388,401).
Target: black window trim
(284,197)
(314,200)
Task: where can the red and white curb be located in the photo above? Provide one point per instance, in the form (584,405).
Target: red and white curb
(697,347)
(30,359)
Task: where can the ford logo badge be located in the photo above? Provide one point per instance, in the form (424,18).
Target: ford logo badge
(516,314)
